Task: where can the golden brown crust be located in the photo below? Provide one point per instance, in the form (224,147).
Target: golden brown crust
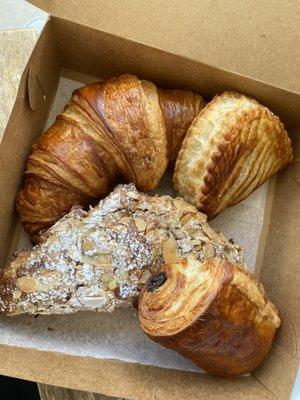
(113,131)
(215,313)
(231,148)
(179,109)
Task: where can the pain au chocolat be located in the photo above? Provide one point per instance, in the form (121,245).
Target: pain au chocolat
(213,312)
(100,259)
(233,146)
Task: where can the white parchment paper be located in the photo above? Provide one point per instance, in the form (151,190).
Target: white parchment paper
(117,335)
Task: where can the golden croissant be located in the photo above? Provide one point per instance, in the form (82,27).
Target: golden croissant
(100,259)
(232,147)
(214,312)
(123,129)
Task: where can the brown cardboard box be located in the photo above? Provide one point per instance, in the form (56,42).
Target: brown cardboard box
(207,47)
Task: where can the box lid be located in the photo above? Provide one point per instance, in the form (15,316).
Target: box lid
(258,39)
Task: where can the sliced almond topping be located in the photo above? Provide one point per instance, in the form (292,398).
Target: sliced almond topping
(140,224)
(179,203)
(26,284)
(125,221)
(50,274)
(230,258)
(118,228)
(155,252)
(106,277)
(197,242)
(208,251)
(145,276)
(187,218)
(124,275)
(79,275)
(16,293)
(112,284)
(210,232)
(150,228)
(104,258)
(48,281)
(150,234)
(114,225)
(170,254)
(192,255)
(88,246)
(158,235)
(101,260)
(191,209)
(200,235)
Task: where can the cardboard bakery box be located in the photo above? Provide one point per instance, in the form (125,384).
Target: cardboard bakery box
(206,47)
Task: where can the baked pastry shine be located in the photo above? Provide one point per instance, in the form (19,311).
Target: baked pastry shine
(100,259)
(122,129)
(213,312)
(231,148)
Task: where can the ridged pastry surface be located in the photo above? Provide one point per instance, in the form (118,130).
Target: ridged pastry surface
(232,147)
(214,312)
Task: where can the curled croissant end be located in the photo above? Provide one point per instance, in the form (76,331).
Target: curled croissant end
(232,147)
(215,313)
(122,129)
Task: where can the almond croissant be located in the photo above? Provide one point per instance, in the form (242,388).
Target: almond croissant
(215,313)
(123,129)
(100,259)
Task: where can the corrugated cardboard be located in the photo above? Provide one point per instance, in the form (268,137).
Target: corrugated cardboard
(101,48)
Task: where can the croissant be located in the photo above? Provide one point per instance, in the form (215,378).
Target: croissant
(100,259)
(213,312)
(232,147)
(123,129)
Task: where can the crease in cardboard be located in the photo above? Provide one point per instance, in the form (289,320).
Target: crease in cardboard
(117,335)
(36,91)
(266,387)
(296,171)
(293,334)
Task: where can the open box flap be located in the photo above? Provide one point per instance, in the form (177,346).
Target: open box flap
(256,40)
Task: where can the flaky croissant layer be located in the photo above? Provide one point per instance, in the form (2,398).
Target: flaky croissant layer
(213,312)
(232,147)
(123,129)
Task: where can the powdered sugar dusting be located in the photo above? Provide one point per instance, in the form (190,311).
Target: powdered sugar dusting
(96,260)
